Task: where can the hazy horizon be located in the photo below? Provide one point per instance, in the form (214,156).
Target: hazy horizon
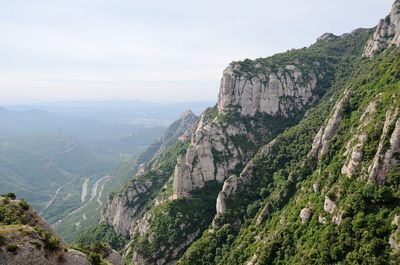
(99,101)
(153,51)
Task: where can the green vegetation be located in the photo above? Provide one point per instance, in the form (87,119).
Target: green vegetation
(161,169)
(172,222)
(282,181)
(51,241)
(11,247)
(97,252)
(262,221)
(9,195)
(11,215)
(102,233)
(23,204)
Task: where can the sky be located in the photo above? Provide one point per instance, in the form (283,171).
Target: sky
(154,50)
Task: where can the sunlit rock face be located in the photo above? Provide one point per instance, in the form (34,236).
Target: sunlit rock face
(387,33)
(267,92)
(275,91)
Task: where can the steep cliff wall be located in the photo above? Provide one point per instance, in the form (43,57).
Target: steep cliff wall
(265,90)
(331,180)
(258,100)
(387,33)
(253,91)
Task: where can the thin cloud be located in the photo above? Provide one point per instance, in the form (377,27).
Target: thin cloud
(95,49)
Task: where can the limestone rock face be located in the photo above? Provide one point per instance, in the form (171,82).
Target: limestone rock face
(321,220)
(247,88)
(316,187)
(233,182)
(75,257)
(321,141)
(354,148)
(305,215)
(180,129)
(115,258)
(385,160)
(387,33)
(123,207)
(266,92)
(338,218)
(329,205)
(394,240)
(199,165)
(229,188)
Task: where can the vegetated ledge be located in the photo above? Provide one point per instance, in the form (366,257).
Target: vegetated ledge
(26,239)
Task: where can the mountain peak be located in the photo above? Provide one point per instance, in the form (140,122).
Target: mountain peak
(387,33)
(187,113)
(327,36)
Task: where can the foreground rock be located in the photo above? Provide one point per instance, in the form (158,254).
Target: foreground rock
(26,239)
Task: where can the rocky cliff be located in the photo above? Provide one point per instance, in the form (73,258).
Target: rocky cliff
(258,100)
(265,90)
(253,90)
(386,34)
(313,194)
(298,163)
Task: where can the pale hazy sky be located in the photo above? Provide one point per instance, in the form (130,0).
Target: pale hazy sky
(165,50)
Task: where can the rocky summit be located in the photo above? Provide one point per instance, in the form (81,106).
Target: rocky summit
(386,34)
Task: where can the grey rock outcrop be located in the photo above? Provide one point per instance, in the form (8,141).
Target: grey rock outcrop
(354,148)
(325,134)
(384,160)
(115,258)
(277,93)
(75,257)
(232,184)
(199,166)
(338,218)
(329,205)
(387,33)
(267,91)
(321,220)
(394,240)
(316,187)
(122,208)
(229,188)
(305,215)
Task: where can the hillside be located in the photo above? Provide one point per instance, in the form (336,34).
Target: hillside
(296,164)
(36,166)
(25,238)
(89,212)
(65,164)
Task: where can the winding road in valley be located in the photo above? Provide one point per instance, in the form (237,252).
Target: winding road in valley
(96,192)
(56,194)
(101,192)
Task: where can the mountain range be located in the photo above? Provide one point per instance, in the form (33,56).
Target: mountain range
(297,163)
